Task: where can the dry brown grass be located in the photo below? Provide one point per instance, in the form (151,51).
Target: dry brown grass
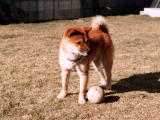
(30,72)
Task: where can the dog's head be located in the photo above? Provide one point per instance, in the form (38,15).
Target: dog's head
(77,41)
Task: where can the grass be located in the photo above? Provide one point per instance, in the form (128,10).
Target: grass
(30,73)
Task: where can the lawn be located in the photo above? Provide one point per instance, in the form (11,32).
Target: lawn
(30,73)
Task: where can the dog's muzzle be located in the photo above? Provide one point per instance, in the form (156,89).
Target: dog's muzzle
(89,52)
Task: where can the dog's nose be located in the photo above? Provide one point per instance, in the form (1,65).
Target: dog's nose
(89,52)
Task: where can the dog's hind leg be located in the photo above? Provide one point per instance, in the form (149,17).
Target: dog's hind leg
(98,68)
(108,63)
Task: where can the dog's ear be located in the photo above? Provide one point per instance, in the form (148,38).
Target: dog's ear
(75,32)
(87,29)
(72,32)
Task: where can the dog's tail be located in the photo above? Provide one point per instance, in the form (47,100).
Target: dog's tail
(99,22)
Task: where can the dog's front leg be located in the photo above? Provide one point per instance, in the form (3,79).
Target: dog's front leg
(83,74)
(65,77)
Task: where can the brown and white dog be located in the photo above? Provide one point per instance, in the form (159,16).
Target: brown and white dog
(79,47)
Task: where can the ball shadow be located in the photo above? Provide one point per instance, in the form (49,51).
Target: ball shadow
(111,99)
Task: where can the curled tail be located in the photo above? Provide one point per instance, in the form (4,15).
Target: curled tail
(99,22)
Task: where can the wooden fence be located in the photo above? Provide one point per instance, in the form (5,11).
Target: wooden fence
(42,10)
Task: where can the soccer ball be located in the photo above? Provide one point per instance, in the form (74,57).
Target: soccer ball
(95,94)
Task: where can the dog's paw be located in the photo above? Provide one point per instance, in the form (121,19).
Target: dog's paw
(108,87)
(61,95)
(105,86)
(103,83)
(81,100)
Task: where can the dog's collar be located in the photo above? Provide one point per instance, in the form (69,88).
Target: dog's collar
(76,60)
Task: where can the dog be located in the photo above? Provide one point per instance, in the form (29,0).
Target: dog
(79,47)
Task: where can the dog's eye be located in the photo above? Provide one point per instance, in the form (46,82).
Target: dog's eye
(87,42)
(78,43)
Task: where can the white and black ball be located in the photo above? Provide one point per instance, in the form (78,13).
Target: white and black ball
(95,94)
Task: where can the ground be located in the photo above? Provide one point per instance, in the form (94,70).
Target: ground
(30,72)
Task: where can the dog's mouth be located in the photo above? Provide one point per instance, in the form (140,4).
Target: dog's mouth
(80,58)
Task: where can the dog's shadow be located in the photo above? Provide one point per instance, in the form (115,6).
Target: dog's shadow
(149,82)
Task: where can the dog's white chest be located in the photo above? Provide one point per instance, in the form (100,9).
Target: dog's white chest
(66,63)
